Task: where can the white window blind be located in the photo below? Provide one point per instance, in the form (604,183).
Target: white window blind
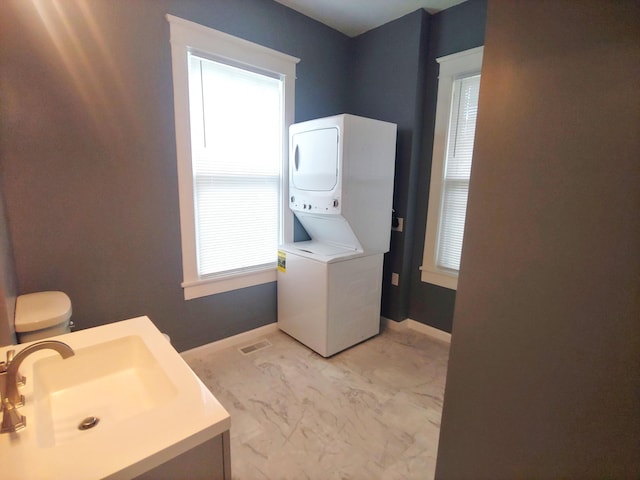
(453,139)
(457,171)
(236,146)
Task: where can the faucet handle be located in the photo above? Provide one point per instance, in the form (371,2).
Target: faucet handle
(12,421)
(5,365)
(20,380)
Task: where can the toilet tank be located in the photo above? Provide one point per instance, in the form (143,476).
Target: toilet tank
(41,315)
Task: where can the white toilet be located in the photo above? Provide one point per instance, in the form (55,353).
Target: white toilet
(41,315)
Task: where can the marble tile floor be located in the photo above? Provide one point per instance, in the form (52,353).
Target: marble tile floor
(370,412)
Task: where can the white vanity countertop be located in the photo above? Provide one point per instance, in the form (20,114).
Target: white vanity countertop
(114,449)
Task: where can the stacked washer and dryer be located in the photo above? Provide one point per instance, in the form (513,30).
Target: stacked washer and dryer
(341,190)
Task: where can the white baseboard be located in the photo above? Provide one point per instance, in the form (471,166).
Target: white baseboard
(428,330)
(247,337)
(392,324)
(241,338)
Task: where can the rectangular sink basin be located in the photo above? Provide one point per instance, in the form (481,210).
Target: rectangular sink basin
(111,381)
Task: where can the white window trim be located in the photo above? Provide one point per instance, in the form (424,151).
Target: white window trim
(189,36)
(451,67)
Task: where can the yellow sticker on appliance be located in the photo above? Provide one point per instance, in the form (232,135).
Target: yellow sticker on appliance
(282,261)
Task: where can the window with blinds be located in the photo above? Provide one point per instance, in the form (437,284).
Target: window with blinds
(456,113)
(236,148)
(233,102)
(457,171)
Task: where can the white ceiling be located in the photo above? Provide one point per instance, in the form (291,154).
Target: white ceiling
(353,17)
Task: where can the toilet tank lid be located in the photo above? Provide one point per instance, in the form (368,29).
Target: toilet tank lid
(35,311)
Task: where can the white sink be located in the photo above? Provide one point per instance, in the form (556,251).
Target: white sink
(150,405)
(111,381)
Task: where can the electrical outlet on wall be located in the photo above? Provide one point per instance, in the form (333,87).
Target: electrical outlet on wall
(395,279)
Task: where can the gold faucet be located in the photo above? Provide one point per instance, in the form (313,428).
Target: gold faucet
(10,380)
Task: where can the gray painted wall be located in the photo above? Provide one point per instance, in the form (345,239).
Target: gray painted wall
(394,77)
(7,282)
(87,146)
(544,372)
(387,79)
(88,151)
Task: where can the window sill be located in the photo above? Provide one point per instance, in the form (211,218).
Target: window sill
(212,286)
(440,278)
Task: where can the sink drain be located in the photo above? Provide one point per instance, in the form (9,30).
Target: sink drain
(88,423)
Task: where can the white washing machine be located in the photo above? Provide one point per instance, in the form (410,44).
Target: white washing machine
(328,299)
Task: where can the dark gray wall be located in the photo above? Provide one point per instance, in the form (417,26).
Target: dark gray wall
(7,282)
(544,372)
(88,151)
(387,79)
(87,146)
(453,30)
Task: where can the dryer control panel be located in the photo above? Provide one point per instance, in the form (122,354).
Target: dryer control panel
(314,203)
